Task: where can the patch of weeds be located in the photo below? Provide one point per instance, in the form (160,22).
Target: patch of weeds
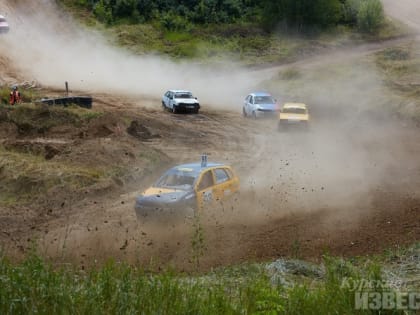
(26,177)
(27,94)
(396,53)
(290,74)
(296,249)
(197,241)
(84,113)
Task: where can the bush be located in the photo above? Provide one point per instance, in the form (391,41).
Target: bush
(370,16)
(102,12)
(173,22)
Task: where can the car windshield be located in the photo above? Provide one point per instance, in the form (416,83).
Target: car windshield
(177,179)
(294,110)
(183,95)
(264,100)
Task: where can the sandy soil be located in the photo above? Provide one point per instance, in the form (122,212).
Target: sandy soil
(349,186)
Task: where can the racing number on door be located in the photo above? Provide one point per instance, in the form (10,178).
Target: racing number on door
(207,195)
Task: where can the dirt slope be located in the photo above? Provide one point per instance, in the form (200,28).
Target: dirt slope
(350,186)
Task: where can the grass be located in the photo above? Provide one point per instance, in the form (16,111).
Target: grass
(37,287)
(27,94)
(400,67)
(244,43)
(29,117)
(26,177)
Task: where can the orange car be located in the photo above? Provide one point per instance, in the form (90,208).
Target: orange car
(186,188)
(293,114)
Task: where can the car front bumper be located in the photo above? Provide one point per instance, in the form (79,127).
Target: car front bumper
(187,107)
(266,113)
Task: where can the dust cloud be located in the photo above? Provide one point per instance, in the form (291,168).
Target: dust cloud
(51,48)
(340,159)
(355,148)
(407,11)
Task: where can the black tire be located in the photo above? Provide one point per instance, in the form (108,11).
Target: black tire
(195,111)
(174,109)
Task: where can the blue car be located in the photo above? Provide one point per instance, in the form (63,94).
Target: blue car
(260,104)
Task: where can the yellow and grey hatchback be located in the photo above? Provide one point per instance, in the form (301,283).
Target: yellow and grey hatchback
(293,114)
(186,188)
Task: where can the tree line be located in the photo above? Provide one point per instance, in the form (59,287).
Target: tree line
(301,15)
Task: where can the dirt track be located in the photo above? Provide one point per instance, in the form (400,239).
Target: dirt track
(348,187)
(300,199)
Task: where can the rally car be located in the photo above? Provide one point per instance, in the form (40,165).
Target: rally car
(180,101)
(4,26)
(293,114)
(186,189)
(260,104)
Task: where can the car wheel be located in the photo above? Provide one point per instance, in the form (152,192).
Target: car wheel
(244,112)
(174,109)
(254,115)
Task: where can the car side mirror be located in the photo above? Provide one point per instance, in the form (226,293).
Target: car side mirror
(195,97)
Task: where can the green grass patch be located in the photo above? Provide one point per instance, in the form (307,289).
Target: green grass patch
(37,287)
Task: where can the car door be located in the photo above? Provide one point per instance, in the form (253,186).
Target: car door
(247,104)
(251,104)
(170,100)
(204,189)
(165,99)
(225,183)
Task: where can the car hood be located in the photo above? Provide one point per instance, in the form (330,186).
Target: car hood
(158,196)
(186,100)
(268,106)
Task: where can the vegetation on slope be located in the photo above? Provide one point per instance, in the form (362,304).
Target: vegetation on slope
(251,32)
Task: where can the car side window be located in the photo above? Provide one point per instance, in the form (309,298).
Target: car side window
(167,94)
(251,100)
(248,98)
(206,181)
(221,175)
